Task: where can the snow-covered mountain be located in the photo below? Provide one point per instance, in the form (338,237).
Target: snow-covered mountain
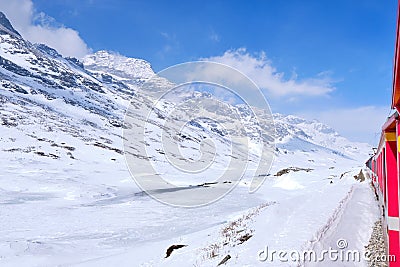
(115,64)
(294,132)
(66,195)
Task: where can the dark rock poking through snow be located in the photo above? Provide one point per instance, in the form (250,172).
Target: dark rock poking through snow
(172,248)
(292,169)
(224,260)
(360,177)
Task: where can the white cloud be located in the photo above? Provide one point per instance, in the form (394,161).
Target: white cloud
(361,124)
(261,71)
(40,28)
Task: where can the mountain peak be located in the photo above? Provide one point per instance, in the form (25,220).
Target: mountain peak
(115,63)
(5,25)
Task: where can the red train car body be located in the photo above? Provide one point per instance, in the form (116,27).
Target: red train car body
(385,164)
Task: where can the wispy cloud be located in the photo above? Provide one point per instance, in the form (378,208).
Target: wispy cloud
(261,70)
(215,37)
(38,27)
(171,44)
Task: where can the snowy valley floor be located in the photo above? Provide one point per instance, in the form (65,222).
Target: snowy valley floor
(91,213)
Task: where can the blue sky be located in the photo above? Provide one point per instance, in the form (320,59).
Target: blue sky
(343,49)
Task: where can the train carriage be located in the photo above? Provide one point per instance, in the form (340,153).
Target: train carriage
(385,165)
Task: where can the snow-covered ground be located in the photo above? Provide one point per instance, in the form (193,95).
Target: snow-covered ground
(67,197)
(87,211)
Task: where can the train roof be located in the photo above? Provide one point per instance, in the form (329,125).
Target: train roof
(390,124)
(388,127)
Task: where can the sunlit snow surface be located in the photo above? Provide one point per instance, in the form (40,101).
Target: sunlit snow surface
(88,210)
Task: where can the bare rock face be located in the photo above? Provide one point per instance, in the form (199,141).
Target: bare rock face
(5,25)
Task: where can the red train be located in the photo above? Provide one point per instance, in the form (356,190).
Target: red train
(385,164)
